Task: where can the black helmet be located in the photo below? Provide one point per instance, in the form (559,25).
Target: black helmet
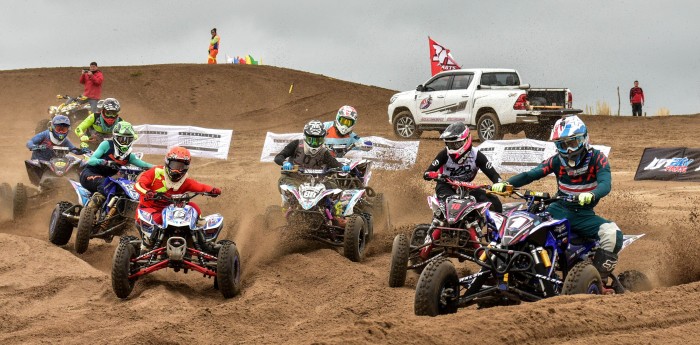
(314,134)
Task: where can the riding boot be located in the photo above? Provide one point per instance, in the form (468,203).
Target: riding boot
(604,261)
(98,199)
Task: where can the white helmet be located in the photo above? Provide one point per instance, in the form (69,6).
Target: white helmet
(345,119)
(314,135)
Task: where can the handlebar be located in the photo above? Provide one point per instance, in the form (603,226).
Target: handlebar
(316,172)
(533,195)
(175,198)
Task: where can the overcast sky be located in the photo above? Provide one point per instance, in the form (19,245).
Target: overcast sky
(589,46)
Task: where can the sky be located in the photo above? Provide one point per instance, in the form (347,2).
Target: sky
(591,47)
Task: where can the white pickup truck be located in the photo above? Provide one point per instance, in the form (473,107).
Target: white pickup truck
(492,100)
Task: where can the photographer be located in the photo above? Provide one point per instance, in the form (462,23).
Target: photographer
(92,78)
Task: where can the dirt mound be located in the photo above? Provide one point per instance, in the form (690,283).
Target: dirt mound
(304,293)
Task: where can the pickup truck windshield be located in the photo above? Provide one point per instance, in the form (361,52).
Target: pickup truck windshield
(500,79)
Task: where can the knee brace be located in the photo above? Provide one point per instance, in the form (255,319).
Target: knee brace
(610,237)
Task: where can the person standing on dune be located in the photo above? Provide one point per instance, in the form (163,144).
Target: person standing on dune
(92,79)
(213,47)
(636,99)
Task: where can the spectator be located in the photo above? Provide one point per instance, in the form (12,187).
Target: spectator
(92,78)
(636,99)
(213,47)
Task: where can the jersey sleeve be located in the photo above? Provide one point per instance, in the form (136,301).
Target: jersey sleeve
(487,167)
(330,161)
(36,140)
(96,158)
(543,169)
(437,163)
(286,152)
(145,181)
(603,176)
(137,162)
(192,185)
(83,126)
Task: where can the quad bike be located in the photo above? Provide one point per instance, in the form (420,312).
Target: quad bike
(333,216)
(113,217)
(532,256)
(48,176)
(458,229)
(76,108)
(180,243)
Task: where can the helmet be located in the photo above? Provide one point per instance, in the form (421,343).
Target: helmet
(570,136)
(345,119)
(123,135)
(110,111)
(177,162)
(314,135)
(58,131)
(457,139)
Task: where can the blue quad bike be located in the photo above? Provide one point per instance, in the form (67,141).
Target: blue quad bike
(113,217)
(532,256)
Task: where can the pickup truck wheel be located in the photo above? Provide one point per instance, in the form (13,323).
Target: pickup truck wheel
(405,126)
(489,128)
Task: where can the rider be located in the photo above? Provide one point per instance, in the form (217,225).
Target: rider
(108,158)
(102,123)
(309,154)
(584,173)
(459,160)
(57,135)
(168,179)
(339,132)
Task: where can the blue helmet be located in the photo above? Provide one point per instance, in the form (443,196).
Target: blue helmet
(60,125)
(570,136)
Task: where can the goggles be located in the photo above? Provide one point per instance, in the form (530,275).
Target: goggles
(346,121)
(178,166)
(454,145)
(123,140)
(61,129)
(314,141)
(110,114)
(569,144)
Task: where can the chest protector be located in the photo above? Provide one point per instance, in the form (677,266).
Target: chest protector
(109,156)
(307,161)
(465,169)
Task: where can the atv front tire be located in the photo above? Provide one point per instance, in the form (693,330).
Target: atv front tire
(583,278)
(228,270)
(60,228)
(437,292)
(121,267)
(355,238)
(399,261)
(86,223)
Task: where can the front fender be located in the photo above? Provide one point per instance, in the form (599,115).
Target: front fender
(176,216)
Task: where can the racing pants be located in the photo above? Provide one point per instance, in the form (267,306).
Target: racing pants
(444,190)
(92,182)
(212,56)
(585,223)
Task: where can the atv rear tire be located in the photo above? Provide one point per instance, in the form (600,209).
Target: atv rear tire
(400,250)
(121,267)
(583,278)
(228,270)
(60,228)
(355,238)
(86,223)
(19,201)
(437,292)
(634,281)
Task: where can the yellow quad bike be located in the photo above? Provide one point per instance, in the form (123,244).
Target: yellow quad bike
(76,108)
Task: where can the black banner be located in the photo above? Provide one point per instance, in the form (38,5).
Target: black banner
(669,164)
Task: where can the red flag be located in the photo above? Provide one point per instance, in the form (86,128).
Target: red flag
(440,58)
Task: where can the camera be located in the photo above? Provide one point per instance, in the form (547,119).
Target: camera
(85,70)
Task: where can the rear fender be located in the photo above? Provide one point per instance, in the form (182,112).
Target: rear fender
(128,187)
(628,239)
(353,195)
(83,194)
(145,217)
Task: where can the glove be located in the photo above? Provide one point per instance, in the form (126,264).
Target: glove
(215,191)
(111,164)
(346,168)
(499,187)
(39,147)
(86,151)
(585,198)
(287,166)
(432,175)
(84,145)
(151,194)
(84,138)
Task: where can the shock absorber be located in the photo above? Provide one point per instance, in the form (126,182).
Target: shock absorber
(112,211)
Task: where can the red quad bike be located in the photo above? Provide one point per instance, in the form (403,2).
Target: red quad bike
(459,229)
(181,243)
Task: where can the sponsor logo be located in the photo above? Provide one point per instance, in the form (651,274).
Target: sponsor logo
(426,102)
(673,165)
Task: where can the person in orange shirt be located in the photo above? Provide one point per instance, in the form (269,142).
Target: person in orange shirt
(213,47)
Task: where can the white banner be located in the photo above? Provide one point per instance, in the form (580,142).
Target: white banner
(202,142)
(520,155)
(385,154)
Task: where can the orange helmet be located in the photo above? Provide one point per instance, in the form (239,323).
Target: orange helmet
(177,162)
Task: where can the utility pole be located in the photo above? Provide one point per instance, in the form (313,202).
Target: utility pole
(618,101)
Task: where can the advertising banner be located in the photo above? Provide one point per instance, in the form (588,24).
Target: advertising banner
(385,154)
(669,164)
(202,142)
(520,155)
